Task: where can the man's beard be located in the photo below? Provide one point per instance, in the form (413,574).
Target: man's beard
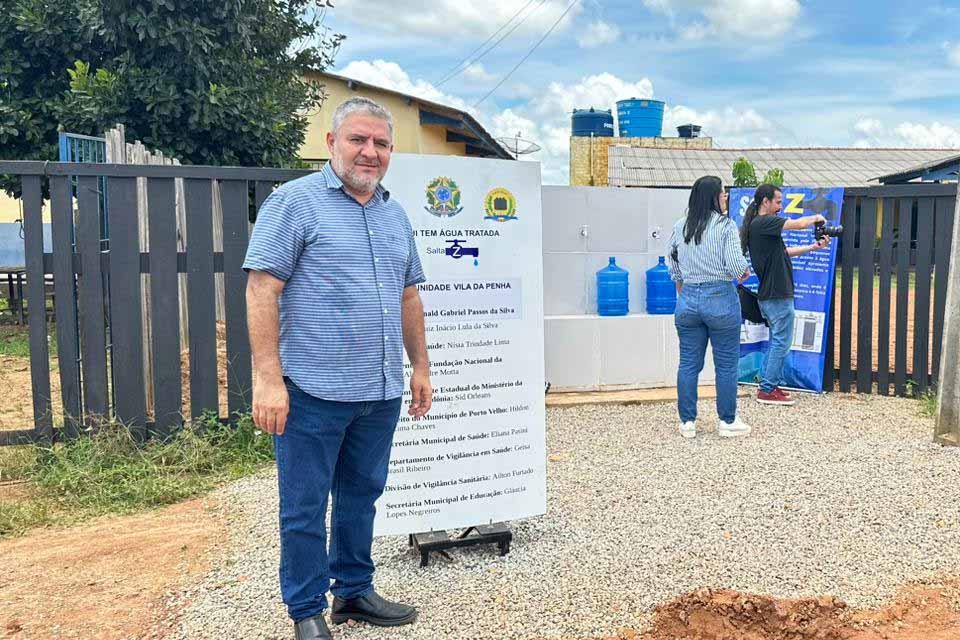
(356,181)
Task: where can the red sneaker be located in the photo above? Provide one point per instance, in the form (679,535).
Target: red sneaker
(785,394)
(774,397)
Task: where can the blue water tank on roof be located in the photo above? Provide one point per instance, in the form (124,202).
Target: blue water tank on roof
(592,122)
(640,118)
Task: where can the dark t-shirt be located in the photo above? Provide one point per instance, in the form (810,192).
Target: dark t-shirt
(769,257)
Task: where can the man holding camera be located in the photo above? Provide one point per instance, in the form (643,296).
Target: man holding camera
(762,234)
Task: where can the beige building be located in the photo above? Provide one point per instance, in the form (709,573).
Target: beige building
(419,126)
(589,157)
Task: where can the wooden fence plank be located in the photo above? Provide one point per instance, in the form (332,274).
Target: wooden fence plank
(65,302)
(93,347)
(868,231)
(200,295)
(830,356)
(904,234)
(849,216)
(883,322)
(942,240)
(165,321)
(261,191)
(921,309)
(125,318)
(234,198)
(37,306)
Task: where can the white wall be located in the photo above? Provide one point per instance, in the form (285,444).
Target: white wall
(582,228)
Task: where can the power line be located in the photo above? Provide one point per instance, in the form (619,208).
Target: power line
(529,53)
(460,68)
(448,72)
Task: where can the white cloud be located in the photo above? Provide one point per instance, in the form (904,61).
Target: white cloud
(453,21)
(390,75)
(601,90)
(754,19)
(870,132)
(953,52)
(870,127)
(477,72)
(598,34)
(730,127)
(761,19)
(661,6)
(697,31)
(935,135)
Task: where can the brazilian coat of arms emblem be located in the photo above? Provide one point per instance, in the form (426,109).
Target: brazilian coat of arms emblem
(443,198)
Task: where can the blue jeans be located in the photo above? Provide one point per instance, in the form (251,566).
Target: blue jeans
(779,315)
(709,311)
(338,448)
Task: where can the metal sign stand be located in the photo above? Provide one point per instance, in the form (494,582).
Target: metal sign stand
(439,541)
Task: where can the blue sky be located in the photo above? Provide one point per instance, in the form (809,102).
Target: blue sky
(751,72)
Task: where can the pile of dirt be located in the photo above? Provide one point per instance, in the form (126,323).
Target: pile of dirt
(920,612)
(708,614)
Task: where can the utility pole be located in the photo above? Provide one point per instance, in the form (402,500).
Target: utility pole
(947,431)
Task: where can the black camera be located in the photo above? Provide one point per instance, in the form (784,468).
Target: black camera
(821,230)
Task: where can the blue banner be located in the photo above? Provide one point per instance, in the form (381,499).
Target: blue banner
(813,277)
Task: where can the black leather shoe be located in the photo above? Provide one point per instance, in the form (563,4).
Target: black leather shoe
(314,628)
(373,609)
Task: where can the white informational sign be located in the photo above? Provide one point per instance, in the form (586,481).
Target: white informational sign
(479,456)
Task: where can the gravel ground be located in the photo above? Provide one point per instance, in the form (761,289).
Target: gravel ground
(840,495)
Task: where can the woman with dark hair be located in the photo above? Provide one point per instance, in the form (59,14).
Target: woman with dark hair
(705,259)
(762,235)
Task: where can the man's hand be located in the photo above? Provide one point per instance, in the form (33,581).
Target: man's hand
(271,404)
(421,393)
(746,274)
(819,218)
(822,243)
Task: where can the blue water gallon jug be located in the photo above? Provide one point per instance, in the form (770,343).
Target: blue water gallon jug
(613,291)
(661,292)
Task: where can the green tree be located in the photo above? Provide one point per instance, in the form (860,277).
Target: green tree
(744,174)
(773,176)
(208,81)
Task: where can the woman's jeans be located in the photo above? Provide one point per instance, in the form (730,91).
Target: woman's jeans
(779,314)
(709,311)
(330,448)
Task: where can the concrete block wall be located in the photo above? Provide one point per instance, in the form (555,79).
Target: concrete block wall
(588,156)
(582,228)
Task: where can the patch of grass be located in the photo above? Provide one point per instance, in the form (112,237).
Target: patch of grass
(18,517)
(15,341)
(110,473)
(928,404)
(16,462)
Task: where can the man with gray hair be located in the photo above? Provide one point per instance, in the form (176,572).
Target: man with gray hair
(331,293)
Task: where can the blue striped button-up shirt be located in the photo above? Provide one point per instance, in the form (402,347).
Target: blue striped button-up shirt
(717,257)
(345,266)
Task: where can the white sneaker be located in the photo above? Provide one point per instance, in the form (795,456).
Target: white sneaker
(733,429)
(688,429)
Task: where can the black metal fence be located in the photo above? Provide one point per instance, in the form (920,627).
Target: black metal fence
(892,278)
(97,290)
